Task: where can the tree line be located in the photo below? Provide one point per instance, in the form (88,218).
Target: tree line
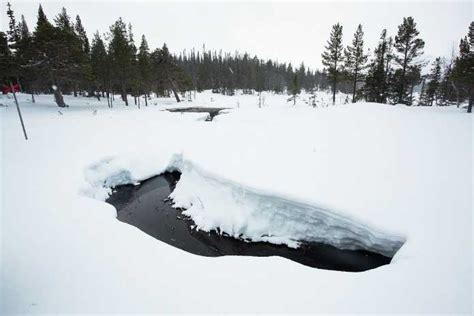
(58,57)
(395,68)
(224,72)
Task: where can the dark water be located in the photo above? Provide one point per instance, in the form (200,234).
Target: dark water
(211,111)
(146,207)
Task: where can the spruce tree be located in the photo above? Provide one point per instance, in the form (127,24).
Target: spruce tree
(63,21)
(5,59)
(69,60)
(24,53)
(13,39)
(463,69)
(446,89)
(408,47)
(121,60)
(42,19)
(432,88)
(12,32)
(144,67)
(134,75)
(99,64)
(379,73)
(81,33)
(46,58)
(332,57)
(355,60)
(295,88)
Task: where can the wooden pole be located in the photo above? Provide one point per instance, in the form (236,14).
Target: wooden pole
(19,112)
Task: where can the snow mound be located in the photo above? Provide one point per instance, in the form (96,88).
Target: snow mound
(218,204)
(106,174)
(215,203)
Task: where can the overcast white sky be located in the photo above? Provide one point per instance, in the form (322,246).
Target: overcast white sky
(290,32)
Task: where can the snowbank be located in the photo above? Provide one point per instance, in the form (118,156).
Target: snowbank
(222,205)
(218,204)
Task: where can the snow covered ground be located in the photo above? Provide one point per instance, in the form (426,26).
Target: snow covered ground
(392,171)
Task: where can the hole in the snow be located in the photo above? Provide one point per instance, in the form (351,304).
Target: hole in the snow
(213,112)
(146,206)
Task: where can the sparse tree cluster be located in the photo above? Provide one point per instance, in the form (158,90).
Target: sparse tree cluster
(394,70)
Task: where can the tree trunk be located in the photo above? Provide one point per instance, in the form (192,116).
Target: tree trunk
(402,87)
(457,93)
(58,98)
(354,88)
(124,96)
(19,84)
(471,100)
(411,94)
(334,83)
(146,99)
(173,88)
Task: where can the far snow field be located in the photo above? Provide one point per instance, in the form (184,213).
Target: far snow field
(391,175)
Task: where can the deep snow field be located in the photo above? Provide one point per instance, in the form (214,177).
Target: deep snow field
(384,176)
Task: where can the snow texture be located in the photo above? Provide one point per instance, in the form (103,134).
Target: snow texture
(221,205)
(394,172)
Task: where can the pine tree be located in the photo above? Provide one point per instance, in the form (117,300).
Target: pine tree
(355,59)
(134,75)
(463,69)
(24,53)
(12,32)
(432,88)
(81,33)
(46,58)
(169,76)
(295,88)
(42,19)
(121,60)
(13,39)
(69,60)
(5,59)
(332,57)
(63,21)
(376,86)
(144,67)
(100,66)
(57,55)
(409,47)
(446,89)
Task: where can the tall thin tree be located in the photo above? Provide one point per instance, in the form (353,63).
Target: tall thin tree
(332,57)
(408,47)
(355,59)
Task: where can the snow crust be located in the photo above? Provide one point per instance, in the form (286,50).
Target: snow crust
(394,170)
